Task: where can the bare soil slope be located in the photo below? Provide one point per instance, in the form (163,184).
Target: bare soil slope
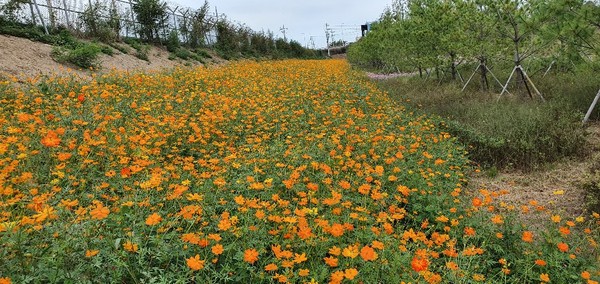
(23,58)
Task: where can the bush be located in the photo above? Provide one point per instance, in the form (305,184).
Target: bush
(173,42)
(84,56)
(107,50)
(141,49)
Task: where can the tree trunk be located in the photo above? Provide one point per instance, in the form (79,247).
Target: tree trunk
(453,65)
(420,72)
(483,71)
(522,79)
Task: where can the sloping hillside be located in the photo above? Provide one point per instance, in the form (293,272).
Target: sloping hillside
(24,58)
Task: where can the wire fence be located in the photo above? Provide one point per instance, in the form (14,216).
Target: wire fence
(68,14)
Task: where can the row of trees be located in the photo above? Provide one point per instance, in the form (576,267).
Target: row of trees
(424,34)
(155,22)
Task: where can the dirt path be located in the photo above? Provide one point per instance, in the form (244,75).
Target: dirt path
(553,189)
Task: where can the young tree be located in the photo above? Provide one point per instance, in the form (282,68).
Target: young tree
(152,16)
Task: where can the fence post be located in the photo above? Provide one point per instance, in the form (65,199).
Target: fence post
(37,8)
(66,13)
(51,15)
(32,14)
(133,19)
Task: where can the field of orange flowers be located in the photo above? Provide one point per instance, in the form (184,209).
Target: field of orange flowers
(254,172)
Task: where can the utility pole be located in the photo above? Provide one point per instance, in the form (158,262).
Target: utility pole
(327,38)
(283,29)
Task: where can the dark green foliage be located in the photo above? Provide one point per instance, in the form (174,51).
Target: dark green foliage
(152,16)
(84,55)
(107,50)
(98,26)
(226,40)
(140,48)
(173,41)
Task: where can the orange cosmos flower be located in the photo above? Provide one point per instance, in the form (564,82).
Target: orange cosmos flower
(350,273)
(367,253)
(100,212)
(419,264)
(336,230)
(271,267)
(476,202)
(335,251)
(364,189)
(5,280)
(469,231)
(527,236)
(344,184)
(562,247)
(64,156)
(153,219)
(331,261)
(303,272)
(299,258)
(585,275)
(250,256)
(544,277)
(125,172)
(452,265)
(497,219)
(195,263)
(91,253)
(51,139)
(217,249)
(540,262)
(130,247)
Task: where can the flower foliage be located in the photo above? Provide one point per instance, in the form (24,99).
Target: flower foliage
(286,171)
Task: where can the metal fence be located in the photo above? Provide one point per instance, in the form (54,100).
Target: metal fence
(67,13)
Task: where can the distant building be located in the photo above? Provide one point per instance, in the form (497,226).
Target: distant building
(366,28)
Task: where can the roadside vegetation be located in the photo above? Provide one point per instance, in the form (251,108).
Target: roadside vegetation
(99,28)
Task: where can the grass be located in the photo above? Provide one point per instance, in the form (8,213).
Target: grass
(260,172)
(515,132)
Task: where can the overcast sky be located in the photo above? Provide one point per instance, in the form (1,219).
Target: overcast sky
(303,20)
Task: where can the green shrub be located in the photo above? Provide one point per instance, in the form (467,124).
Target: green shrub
(121,48)
(140,48)
(173,42)
(183,53)
(84,56)
(202,53)
(107,50)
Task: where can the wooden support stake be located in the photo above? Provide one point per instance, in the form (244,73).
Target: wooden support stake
(548,70)
(495,78)
(531,82)
(465,86)
(589,112)
(506,85)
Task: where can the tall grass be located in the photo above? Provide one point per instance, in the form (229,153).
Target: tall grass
(514,132)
